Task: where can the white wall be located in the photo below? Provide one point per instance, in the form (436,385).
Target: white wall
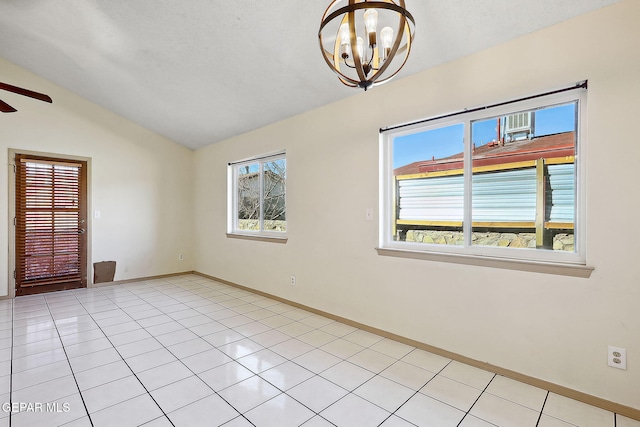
(554,328)
(140,182)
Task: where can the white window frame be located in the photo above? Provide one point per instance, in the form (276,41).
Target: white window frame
(546,261)
(233,229)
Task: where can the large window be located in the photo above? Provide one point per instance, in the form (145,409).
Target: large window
(257,205)
(502,181)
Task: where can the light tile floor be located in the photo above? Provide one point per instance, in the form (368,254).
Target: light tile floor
(188,351)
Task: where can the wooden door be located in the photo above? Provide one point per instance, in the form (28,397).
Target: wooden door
(51,223)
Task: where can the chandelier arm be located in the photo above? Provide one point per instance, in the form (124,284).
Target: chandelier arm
(408,48)
(343,78)
(328,56)
(403,25)
(379,82)
(386,79)
(347,64)
(373,54)
(357,61)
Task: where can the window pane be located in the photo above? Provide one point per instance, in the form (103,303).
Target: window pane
(249,196)
(274,181)
(523,184)
(429,185)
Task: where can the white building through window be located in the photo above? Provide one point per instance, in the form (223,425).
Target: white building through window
(502,181)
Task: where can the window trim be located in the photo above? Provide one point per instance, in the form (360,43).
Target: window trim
(524,259)
(233,230)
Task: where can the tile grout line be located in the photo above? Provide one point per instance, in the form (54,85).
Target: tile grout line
(542,409)
(263,348)
(478,398)
(215,347)
(245,337)
(414,394)
(375,374)
(314,373)
(258,374)
(68,361)
(11,362)
(163,346)
(114,347)
(136,321)
(180,359)
(241,414)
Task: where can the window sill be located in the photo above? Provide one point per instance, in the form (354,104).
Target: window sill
(260,238)
(574,270)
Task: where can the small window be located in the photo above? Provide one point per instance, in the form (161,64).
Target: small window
(257,205)
(501,182)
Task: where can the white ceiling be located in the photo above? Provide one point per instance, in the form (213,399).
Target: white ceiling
(201,71)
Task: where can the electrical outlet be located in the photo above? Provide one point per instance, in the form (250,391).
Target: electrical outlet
(181,257)
(617,357)
(293,280)
(368,214)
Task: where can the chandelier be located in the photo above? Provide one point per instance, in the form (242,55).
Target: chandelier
(352,46)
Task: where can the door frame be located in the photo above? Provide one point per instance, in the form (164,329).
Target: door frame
(11,282)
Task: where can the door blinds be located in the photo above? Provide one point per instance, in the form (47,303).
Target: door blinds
(50,224)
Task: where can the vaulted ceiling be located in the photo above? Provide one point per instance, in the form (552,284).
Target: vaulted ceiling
(201,71)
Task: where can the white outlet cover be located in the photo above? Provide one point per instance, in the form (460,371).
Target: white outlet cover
(617,357)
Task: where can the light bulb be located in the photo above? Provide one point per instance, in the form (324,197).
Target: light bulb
(370,20)
(386,36)
(361,48)
(344,33)
(370,23)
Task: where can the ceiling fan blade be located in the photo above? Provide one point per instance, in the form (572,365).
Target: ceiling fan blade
(6,108)
(26,92)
